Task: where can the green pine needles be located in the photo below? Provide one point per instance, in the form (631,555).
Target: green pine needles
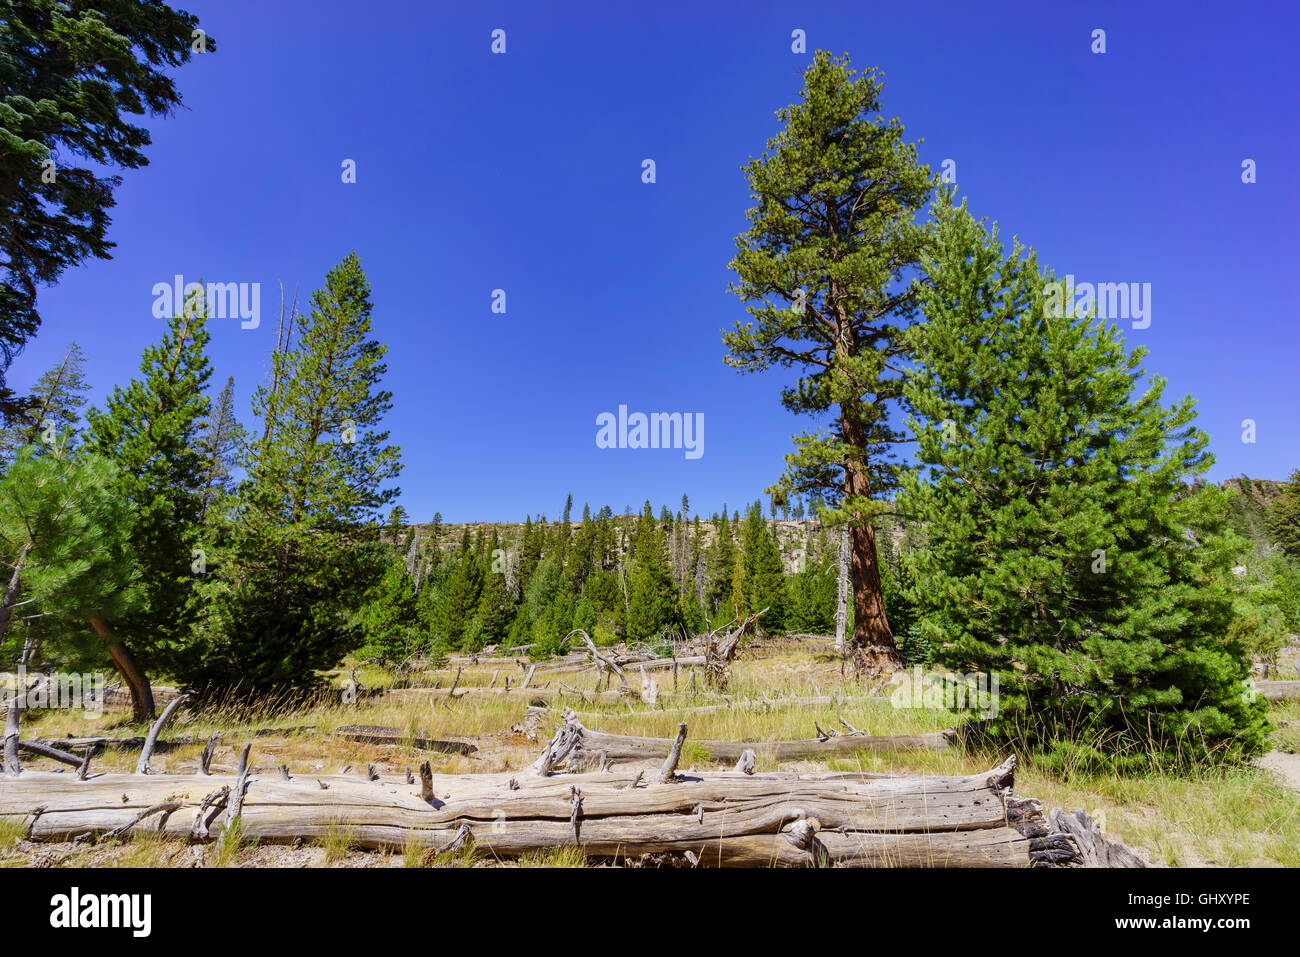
(1066,547)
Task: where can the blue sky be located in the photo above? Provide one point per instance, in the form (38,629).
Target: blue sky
(522,172)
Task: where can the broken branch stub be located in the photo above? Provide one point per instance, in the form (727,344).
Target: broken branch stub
(142,765)
(668,772)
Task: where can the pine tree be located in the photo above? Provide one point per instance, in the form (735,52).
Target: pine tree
(584,616)
(812,599)
(546,582)
(1284,518)
(153,430)
(397,522)
(52,409)
(65,540)
(220,447)
(823,268)
(650,589)
(764,576)
(1064,551)
(521,632)
(304,548)
(582,559)
(74,77)
(530,551)
(495,608)
(719,562)
(460,598)
(388,624)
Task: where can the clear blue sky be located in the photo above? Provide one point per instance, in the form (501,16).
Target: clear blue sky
(523,172)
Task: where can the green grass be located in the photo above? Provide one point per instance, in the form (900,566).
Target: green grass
(567,855)
(13,828)
(1286,720)
(337,841)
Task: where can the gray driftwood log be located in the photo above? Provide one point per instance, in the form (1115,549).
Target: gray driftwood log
(724,818)
(380,734)
(626,747)
(727,818)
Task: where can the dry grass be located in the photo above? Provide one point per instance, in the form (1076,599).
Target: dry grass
(1236,817)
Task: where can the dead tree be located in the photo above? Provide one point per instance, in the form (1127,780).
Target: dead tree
(719,818)
(720,650)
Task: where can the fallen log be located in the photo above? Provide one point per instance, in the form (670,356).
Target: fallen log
(649,664)
(760,705)
(727,818)
(138,741)
(540,697)
(379,734)
(1278,690)
(625,747)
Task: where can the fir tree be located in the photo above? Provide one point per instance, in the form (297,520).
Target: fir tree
(460,598)
(719,562)
(1284,517)
(1064,550)
(388,624)
(764,576)
(495,609)
(584,616)
(304,548)
(220,447)
(530,551)
(650,590)
(546,582)
(52,409)
(153,430)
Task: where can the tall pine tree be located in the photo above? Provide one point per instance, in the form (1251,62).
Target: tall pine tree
(824,268)
(304,546)
(152,429)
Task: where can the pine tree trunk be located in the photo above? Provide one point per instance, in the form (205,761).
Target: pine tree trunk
(141,692)
(13,589)
(872,646)
(874,651)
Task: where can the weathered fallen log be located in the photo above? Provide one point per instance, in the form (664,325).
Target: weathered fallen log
(1094,850)
(160,746)
(649,664)
(539,696)
(761,705)
(379,734)
(625,747)
(1278,690)
(724,818)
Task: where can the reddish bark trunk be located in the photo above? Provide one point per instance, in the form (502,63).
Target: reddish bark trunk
(875,654)
(141,691)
